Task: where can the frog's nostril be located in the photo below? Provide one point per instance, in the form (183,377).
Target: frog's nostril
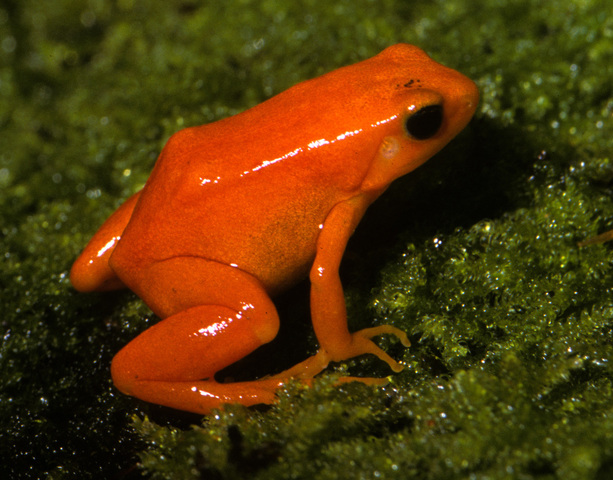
(471,101)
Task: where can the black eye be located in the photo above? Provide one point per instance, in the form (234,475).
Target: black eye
(424,123)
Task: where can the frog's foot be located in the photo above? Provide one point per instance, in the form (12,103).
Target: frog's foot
(360,343)
(202,396)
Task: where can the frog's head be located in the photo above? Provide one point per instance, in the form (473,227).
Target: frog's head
(422,105)
(361,126)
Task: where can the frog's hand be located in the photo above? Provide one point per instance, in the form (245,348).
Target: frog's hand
(216,318)
(91,271)
(313,365)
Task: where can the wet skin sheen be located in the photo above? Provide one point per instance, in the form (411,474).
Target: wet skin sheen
(240,209)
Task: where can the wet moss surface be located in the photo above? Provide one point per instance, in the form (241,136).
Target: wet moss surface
(475,254)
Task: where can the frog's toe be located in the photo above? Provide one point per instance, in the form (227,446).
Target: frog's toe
(362,343)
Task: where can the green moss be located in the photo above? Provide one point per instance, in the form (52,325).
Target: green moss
(509,375)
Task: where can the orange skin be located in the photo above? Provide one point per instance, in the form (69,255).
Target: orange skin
(238,210)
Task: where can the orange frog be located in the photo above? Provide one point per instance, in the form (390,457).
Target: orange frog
(240,209)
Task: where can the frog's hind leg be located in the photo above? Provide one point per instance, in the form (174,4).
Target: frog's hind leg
(91,272)
(214,315)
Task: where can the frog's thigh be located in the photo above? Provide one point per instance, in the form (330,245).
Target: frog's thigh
(217,315)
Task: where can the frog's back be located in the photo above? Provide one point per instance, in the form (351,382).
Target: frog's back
(222,200)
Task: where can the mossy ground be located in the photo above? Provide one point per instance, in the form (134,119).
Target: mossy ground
(474,254)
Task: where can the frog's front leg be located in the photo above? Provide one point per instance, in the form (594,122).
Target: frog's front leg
(215,315)
(328,309)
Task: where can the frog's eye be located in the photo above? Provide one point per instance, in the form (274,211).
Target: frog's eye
(424,123)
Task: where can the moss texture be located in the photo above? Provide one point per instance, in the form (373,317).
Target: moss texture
(475,254)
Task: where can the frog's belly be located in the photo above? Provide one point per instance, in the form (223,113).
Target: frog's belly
(276,249)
